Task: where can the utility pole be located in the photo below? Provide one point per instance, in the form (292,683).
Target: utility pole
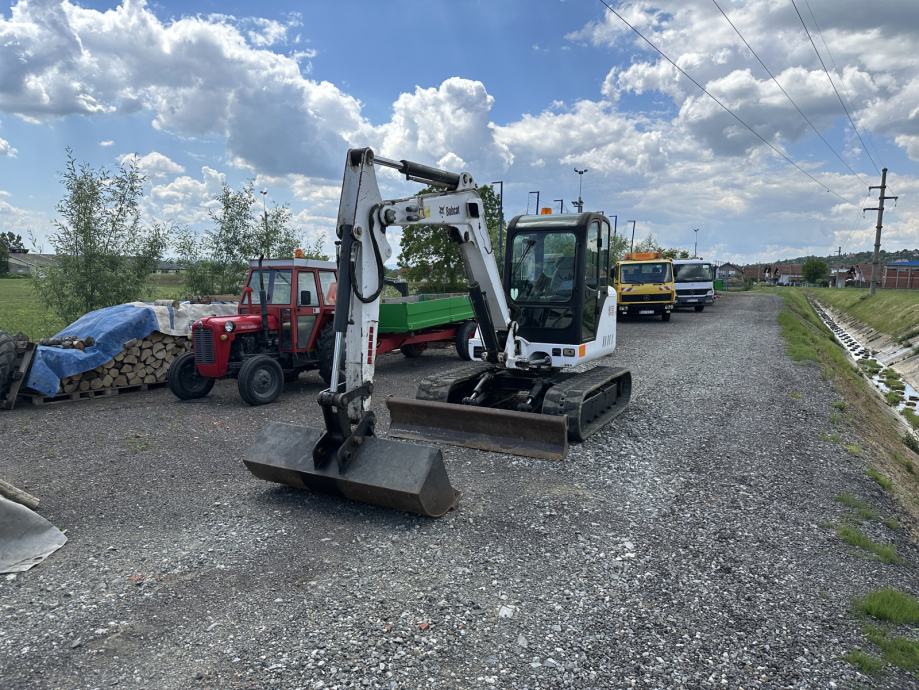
(500,184)
(695,249)
(875,263)
(580,201)
(632,245)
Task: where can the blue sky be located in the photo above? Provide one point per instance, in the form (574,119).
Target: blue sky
(206,93)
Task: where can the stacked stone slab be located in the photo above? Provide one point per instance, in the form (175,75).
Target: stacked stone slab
(142,361)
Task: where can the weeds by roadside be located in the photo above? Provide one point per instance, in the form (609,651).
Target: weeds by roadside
(855,537)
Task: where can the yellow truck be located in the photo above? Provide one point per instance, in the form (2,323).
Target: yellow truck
(644,285)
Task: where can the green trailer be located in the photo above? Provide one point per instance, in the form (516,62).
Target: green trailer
(410,324)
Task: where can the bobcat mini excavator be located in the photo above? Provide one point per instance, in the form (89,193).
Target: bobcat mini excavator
(553,312)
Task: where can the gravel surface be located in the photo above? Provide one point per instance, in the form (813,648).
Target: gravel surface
(688,545)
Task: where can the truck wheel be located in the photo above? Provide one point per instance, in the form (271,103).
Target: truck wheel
(7,362)
(184,381)
(260,380)
(325,351)
(413,350)
(699,307)
(464,334)
(665,316)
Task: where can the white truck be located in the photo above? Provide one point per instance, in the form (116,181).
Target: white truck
(695,286)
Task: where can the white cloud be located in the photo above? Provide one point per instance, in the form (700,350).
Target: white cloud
(186,199)
(6,149)
(105,143)
(153,164)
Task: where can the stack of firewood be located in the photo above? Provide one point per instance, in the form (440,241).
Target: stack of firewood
(141,361)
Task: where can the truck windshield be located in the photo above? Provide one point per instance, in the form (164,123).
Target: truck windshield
(277,286)
(657,272)
(542,266)
(693,273)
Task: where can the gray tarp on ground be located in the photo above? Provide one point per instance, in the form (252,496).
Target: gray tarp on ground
(26,538)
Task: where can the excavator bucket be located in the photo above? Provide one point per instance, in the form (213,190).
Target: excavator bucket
(504,431)
(390,474)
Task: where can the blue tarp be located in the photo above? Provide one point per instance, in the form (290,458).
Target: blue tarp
(110,327)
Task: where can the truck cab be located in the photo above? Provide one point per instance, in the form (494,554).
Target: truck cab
(695,286)
(644,285)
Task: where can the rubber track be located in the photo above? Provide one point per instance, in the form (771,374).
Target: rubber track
(438,387)
(567,398)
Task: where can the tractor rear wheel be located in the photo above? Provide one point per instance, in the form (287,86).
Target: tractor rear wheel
(464,333)
(7,362)
(260,380)
(184,381)
(325,350)
(413,350)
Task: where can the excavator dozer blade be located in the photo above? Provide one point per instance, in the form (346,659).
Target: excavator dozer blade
(391,474)
(504,431)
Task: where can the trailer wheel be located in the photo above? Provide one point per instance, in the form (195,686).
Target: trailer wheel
(413,350)
(184,381)
(699,307)
(464,333)
(7,362)
(325,351)
(261,380)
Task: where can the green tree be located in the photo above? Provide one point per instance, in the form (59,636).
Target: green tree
(4,259)
(215,262)
(650,244)
(814,270)
(105,255)
(13,243)
(429,257)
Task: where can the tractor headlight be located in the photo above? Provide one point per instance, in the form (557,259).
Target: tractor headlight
(229,326)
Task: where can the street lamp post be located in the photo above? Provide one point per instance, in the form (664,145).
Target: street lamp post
(580,202)
(632,245)
(695,249)
(537,202)
(561,205)
(500,184)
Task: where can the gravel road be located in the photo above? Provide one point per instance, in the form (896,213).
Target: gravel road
(688,545)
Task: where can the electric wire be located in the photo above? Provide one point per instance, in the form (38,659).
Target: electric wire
(835,90)
(788,96)
(722,105)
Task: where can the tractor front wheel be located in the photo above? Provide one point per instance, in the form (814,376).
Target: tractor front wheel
(184,381)
(261,380)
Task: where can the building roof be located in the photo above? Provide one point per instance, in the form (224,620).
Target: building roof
(903,263)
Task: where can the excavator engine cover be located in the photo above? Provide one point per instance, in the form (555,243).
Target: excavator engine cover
(390,474)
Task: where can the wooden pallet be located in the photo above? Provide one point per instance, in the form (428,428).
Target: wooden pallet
(19,376)
(38,399)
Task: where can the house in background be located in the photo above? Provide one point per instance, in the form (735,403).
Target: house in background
(731,274)
(25,264)
(902,274)
(783,274)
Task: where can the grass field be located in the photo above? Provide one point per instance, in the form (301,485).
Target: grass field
(20,309)
(894,312)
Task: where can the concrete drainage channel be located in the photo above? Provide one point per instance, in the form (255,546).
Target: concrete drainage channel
(875,369)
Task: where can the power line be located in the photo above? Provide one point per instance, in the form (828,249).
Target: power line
(835,90)
(790,99)
(722,105)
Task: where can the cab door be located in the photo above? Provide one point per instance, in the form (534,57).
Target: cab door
(593,276)
(307,309)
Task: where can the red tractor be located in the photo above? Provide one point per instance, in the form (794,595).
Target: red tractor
(283,326)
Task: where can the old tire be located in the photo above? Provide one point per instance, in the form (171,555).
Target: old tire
(260,380)
(7,362)
(325,351)
(699,307)
(464,334)
(413,350)
(665,316)
(184,381)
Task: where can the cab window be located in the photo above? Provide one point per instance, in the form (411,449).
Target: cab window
(277,286)
(306,280)
(328,285)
